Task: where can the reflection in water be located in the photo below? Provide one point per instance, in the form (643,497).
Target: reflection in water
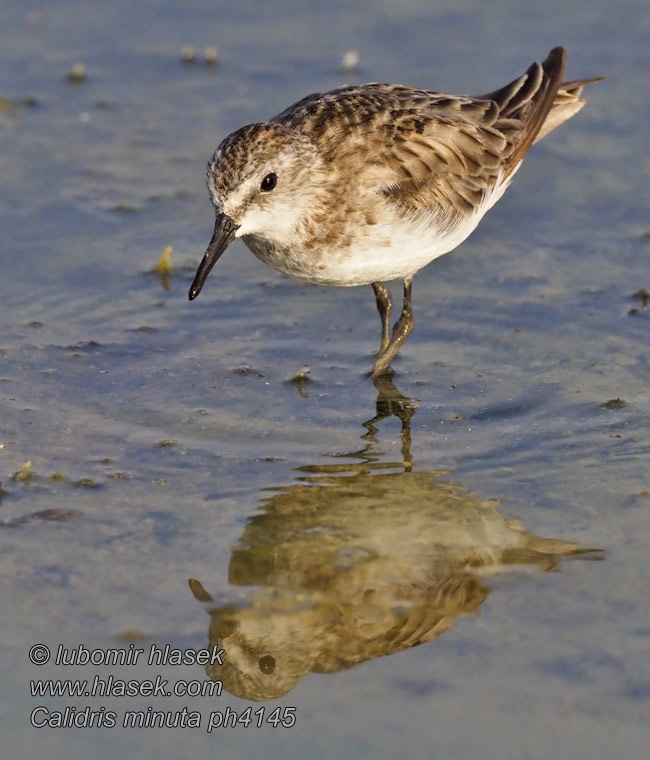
(358,560)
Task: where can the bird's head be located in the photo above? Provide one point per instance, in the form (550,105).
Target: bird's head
(263,179)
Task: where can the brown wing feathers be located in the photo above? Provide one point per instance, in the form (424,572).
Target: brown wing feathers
(529,100)
(466,142)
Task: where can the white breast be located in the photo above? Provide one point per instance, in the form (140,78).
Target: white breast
(394,248)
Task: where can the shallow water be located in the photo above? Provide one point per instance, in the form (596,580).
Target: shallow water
(181,489)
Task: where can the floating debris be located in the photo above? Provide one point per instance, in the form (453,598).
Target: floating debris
(166,443)
(77,73)
(164,265)
(55,515)
(211,55)
(350,61)
(77,346)
(57,476)
(643,295)
(44,515)
(199,593)
(301,381)
(124,207)
(86,483)
(614,403)
(188,55)
(12,106)
(301,376)
(24,474)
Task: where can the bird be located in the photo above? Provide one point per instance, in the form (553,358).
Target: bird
(354,562)
(369,183)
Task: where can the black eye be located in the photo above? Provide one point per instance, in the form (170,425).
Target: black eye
(269,182)
(267,663)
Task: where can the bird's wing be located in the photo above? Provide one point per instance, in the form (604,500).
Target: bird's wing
(424,150)
(446,159)
(296,110)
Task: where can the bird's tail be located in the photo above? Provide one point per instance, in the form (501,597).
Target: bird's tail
(567,103)
(535,103)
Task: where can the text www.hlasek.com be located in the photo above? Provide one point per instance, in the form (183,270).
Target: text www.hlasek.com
(73,716)
(115,687)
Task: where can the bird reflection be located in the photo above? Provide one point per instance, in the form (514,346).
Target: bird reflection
(358,559)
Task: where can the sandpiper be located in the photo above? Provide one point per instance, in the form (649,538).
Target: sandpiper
(369,183)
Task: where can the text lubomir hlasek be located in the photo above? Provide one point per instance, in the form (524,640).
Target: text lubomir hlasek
(133,655)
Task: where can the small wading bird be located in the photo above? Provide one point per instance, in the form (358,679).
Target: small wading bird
(372,182)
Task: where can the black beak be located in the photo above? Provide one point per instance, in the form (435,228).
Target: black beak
(224,232)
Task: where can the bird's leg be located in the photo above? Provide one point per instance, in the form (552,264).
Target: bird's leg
(401,331)
(391,402)
(385,308)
